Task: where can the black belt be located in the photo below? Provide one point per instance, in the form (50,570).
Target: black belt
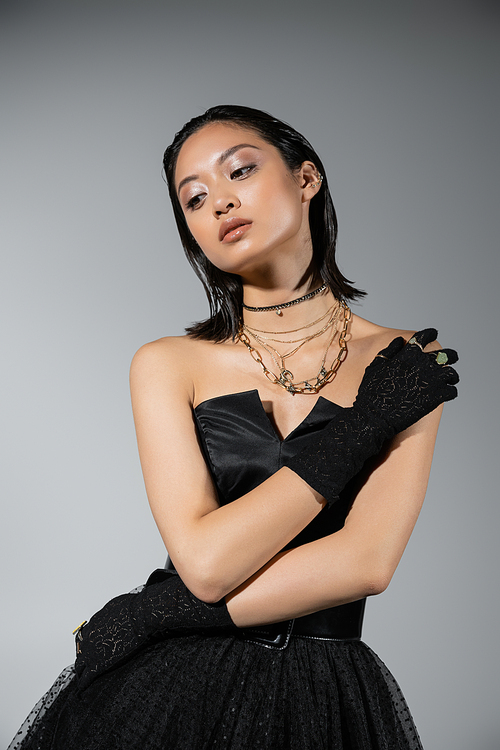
(341,623)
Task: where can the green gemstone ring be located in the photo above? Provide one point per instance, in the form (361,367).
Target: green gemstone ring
(413,340)
(441,358)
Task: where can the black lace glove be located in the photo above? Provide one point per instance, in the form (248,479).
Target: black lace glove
(163,607)
(400,386)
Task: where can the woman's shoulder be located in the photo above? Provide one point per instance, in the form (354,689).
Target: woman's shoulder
(371,337)
(173,360)
(168,348)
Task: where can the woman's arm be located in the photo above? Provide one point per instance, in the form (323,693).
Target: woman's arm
(218,549)
(214,548)
(360,559)
(355,561)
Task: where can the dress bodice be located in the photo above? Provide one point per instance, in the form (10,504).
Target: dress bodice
(319,687)
(301,684)
(243,448)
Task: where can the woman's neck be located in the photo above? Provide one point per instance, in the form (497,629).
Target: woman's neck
(308,306)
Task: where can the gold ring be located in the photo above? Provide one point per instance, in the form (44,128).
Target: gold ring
(441,358)
(413,340)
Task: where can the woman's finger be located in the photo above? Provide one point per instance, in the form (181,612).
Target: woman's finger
(450,393)
(450,376)
(394,347)
(444,356)
(424,337)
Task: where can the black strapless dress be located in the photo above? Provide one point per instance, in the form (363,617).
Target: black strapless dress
(226,693)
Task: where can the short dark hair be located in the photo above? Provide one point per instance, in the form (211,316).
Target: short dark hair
(224,290)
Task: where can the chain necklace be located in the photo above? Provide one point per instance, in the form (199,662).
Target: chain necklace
(324,376)
(279,308)
(275,356)
(262,340)
(253,331)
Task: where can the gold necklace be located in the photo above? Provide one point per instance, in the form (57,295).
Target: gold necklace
(262,340)
(293,330)
(257,333)
(324,376)
(281,364)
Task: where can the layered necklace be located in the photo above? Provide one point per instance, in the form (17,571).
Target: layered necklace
(285,379)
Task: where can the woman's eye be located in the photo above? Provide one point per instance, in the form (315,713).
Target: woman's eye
(237,174)
(194,202)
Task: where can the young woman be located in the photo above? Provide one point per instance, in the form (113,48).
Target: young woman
(286,445)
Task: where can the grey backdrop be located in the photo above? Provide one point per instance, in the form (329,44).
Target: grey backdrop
(399,98)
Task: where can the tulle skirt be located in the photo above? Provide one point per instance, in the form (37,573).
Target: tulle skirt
(224,693)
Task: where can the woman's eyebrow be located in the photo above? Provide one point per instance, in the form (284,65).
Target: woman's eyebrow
(230,151)
(222,158)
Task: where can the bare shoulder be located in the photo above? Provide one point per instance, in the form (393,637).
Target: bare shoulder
(370,337)
(168,360)
(167,351)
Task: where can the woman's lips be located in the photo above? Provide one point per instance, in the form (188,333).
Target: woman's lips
(236,233)
(233,229)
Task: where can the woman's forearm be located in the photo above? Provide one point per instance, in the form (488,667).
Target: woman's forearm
(229,544)
(356,561)
(342,567)
(324,573)
(215,548)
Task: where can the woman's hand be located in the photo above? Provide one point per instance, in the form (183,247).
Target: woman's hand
(126,623)
(401,385)
(404,383)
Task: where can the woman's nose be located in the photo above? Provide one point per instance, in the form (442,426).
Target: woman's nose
(224,203)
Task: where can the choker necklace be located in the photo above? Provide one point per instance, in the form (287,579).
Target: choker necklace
(280,308)
(285,378)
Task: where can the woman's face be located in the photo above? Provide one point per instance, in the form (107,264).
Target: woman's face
(242,205)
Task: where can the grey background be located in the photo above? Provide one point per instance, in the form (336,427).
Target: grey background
(399,98)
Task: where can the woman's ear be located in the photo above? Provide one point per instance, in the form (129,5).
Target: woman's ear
(309,180)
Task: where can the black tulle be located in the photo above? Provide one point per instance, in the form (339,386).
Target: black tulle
(197,693)
(220,692)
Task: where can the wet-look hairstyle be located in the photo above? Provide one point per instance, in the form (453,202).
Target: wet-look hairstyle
(224,290)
